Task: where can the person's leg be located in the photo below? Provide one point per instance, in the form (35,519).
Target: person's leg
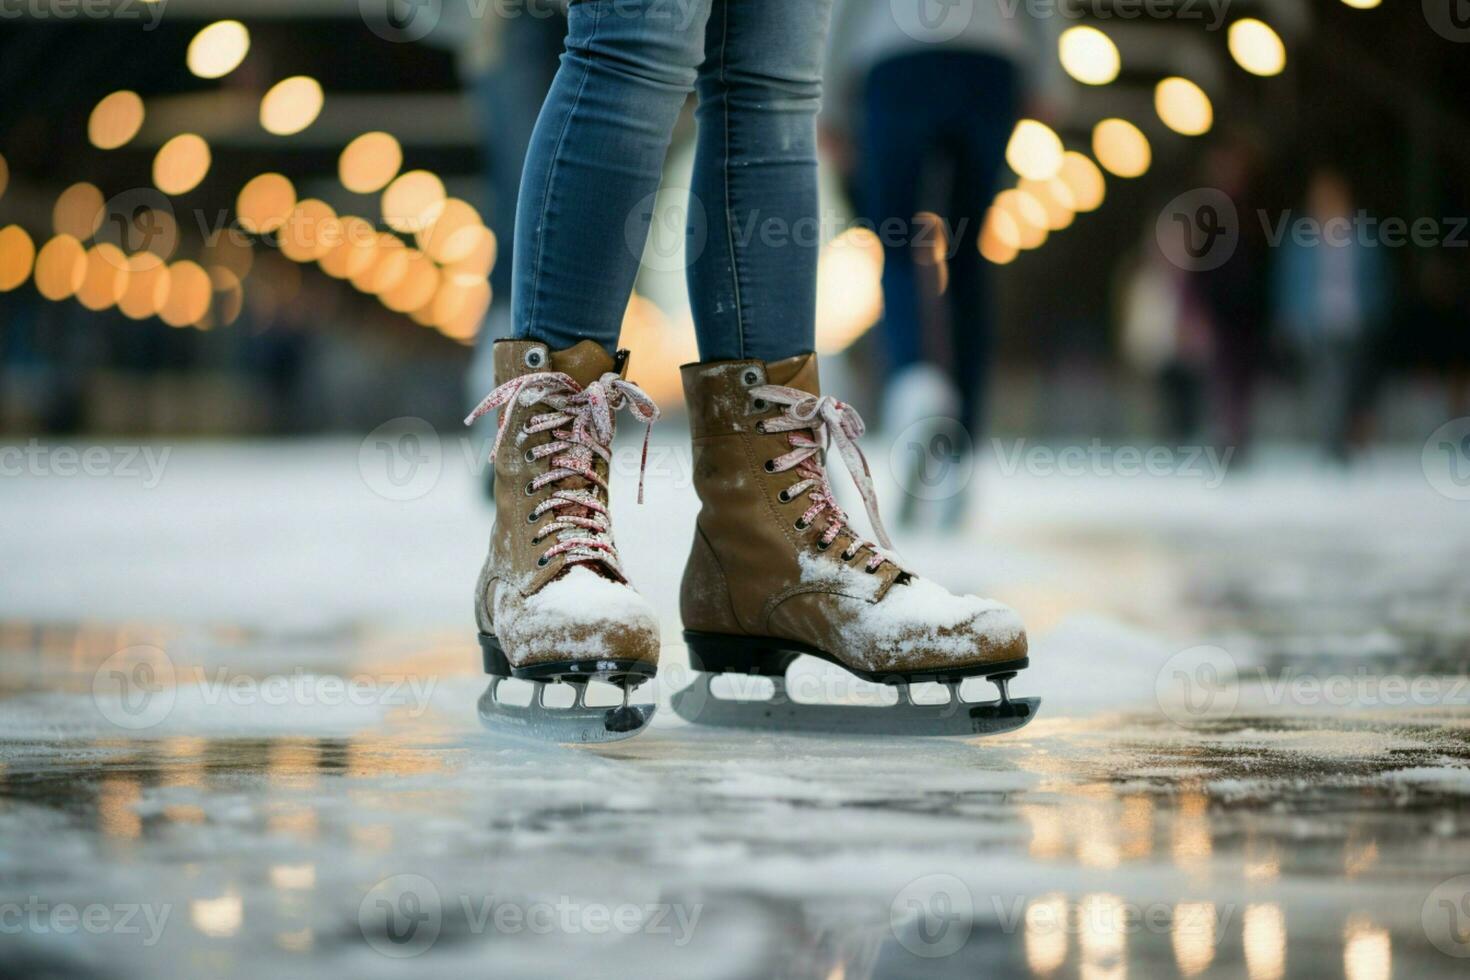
(899,131)
(508,97)
(980,132)
(595,159)
(753,284)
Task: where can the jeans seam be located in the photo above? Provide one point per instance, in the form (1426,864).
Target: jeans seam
(725,173)
(566,124)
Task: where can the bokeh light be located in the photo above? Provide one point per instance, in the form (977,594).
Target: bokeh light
(106,277)
(849,289)
(182,163)
(417,286)
(369,163)
(218,49)
(4,174)
(291,105)
(189,294)
(115,120)
(60,267)
(229,249)
(1362,4)
(354,250)
(1034,151)
(999,237)
(1030,216)
(1183,106)
(1084,180)
(1055,197)
(147,287)
(17,257)
(481,259)
(1256,47)
(265,203)
(1121,148)
(1088,55)
(413,201)
(311,231)
(78,211)
(454,235)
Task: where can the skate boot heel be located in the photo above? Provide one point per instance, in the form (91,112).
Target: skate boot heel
(722,653)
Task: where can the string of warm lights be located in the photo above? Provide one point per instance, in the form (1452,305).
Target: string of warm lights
(432,263)
(441,281)
(1055,185)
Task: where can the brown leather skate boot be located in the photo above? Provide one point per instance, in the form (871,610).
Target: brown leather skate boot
(777,570)
(552,602)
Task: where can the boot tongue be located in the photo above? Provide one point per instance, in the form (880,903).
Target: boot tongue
(585,362)
(795,372)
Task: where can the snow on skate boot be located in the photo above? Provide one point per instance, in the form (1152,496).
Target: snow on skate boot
(552,602)
(777,571)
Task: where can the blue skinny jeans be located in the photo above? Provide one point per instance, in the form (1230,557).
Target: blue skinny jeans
(751,234)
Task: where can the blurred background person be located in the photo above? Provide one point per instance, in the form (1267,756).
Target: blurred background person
(1331,296)
(1166,334)
(1236,295)
(509,54)
(926,108)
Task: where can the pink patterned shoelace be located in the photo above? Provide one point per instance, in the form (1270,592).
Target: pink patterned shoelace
(810,422)
(582,425)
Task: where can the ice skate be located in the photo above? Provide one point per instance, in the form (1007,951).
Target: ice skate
(552,602)
(777,571)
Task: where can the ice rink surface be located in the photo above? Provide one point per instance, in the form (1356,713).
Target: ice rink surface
(238,738)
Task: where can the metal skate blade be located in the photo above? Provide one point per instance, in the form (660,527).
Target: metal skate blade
(697,703)
(576,725)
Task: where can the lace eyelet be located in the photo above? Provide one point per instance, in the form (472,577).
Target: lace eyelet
(760,405)
(530,457)
(784,497)
(801,525)
(535,357)
(823,545)
(750,378)
(533,517)
(542,562)
(849,556)
(770,466)
(531,489)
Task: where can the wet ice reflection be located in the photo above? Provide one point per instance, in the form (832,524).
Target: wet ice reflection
(1105,841)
